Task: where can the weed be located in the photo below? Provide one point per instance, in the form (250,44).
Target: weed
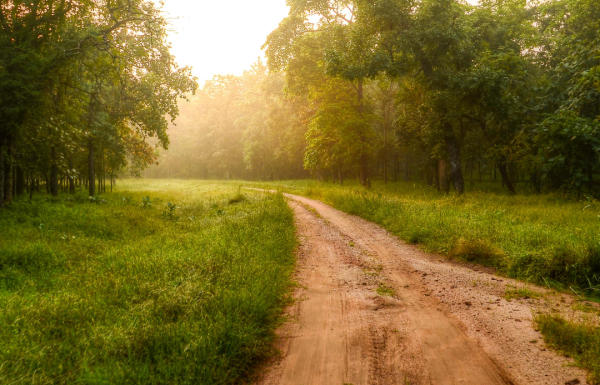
(384,289)
(585,307)
(239,197)
(477,250)
(97,199)
(513,292)
(170,213)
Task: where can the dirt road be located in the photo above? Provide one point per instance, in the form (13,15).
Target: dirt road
(372,310)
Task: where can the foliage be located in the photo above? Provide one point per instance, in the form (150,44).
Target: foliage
(83,82)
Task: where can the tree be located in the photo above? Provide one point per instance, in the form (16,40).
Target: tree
(97,73)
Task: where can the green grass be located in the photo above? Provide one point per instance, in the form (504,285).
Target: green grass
(384,289)
(513,292)
(134,291)
(579,340)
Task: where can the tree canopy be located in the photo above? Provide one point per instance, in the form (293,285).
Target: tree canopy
(429,89)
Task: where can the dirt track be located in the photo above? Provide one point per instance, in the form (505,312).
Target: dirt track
(440,323)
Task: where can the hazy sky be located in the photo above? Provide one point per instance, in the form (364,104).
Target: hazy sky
(221,36)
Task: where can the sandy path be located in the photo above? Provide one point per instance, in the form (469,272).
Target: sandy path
(442,324)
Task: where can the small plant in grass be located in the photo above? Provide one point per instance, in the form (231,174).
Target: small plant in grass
(126,200)
(477,250)
(97,199)
(169,214)
(239,197)
(146,202)
(384,289)
(81,195)
(586,308)
(214,208)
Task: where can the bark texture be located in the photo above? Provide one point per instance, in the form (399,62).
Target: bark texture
(505,179)
(456,175)
(54,175)
(91,169)
(1,176)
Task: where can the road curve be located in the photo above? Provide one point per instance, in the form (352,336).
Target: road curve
(372,310)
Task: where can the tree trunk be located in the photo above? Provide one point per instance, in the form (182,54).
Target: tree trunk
(91,169)
(340,174)
(364,165)
(443,182)
(471,166)
(406,176)
(1,176)
(536,182)
(31,185)
(453,148)
(47,184)
(20,181)
(437,176)
(8,182)
(8,176)
(54,175)
(505,179)
(71,177)
(385,176)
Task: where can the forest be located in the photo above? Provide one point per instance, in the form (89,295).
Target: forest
(397,191)
(83,84)
(438,91)
(433,90)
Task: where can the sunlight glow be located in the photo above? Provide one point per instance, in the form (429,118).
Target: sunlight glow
(221,37)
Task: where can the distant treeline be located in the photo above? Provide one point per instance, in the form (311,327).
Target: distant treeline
(389,88)
(83,84)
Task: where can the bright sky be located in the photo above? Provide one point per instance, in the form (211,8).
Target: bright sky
(221,36)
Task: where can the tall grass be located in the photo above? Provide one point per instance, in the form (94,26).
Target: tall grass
(133,291)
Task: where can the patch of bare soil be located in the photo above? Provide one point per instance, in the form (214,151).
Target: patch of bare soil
(373,310)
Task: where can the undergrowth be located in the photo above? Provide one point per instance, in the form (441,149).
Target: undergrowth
(160,283)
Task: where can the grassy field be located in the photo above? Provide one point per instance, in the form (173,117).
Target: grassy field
(129,289)
(547,239)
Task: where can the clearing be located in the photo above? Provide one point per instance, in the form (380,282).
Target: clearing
(372,310)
